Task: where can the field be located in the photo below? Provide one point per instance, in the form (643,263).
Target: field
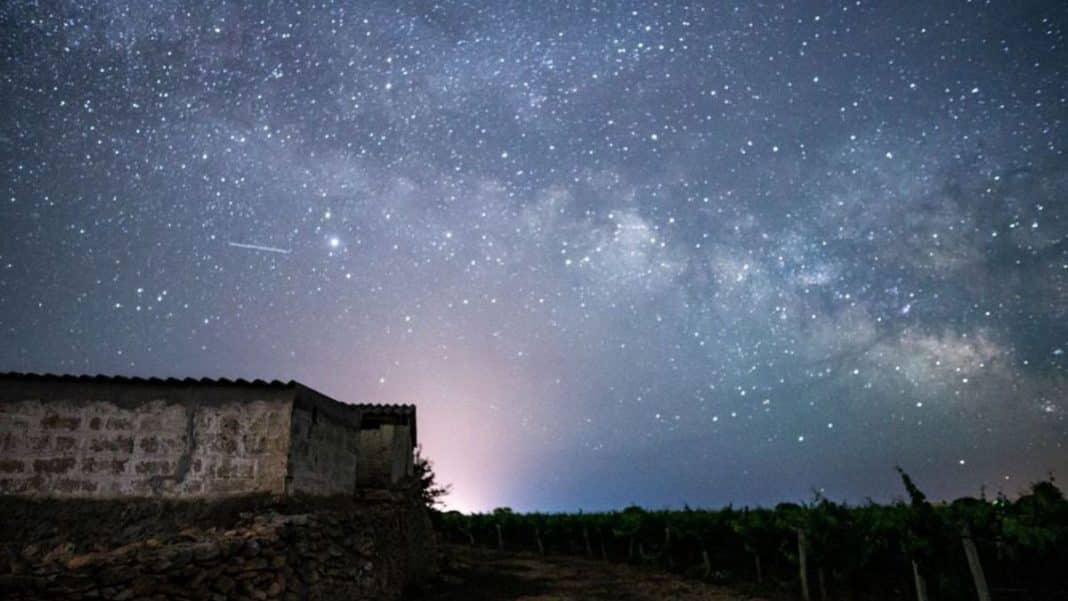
(967,549)
(473,574)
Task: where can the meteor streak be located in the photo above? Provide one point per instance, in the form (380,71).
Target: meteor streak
(269,249)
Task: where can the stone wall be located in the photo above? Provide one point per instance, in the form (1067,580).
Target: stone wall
(323,453)
(316,549)
(167,447)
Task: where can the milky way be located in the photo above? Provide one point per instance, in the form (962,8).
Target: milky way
(616,253)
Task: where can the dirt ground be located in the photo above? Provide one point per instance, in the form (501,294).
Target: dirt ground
(482,575)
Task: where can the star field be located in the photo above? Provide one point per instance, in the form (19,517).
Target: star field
(654,253)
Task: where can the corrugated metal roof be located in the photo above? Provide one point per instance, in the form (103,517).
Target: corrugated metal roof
(385,409)
(106,379)
(367,408)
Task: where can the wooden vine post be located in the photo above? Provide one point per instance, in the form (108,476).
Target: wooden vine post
(802,554)
(921,585)
(586,539)
(500,538)
(978,577)
(537,537)
(466,530)
(759,568)
(666,551)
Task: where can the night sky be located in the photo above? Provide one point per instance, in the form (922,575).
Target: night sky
(617,253)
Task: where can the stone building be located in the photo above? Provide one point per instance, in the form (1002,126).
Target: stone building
(115,437)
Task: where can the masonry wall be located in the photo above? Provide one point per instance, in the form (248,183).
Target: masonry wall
(170,445)
(323,452)
(238,548)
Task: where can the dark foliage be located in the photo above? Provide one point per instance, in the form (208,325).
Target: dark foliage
(430,491)
(859,552)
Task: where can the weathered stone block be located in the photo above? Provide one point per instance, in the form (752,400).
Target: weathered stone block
(206,551)
(9,466)
(74,486)
(118,423)
(55,421)
(224,584)
(117,444)
(65,443)
(150,423)
(59,465)
(153,467)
